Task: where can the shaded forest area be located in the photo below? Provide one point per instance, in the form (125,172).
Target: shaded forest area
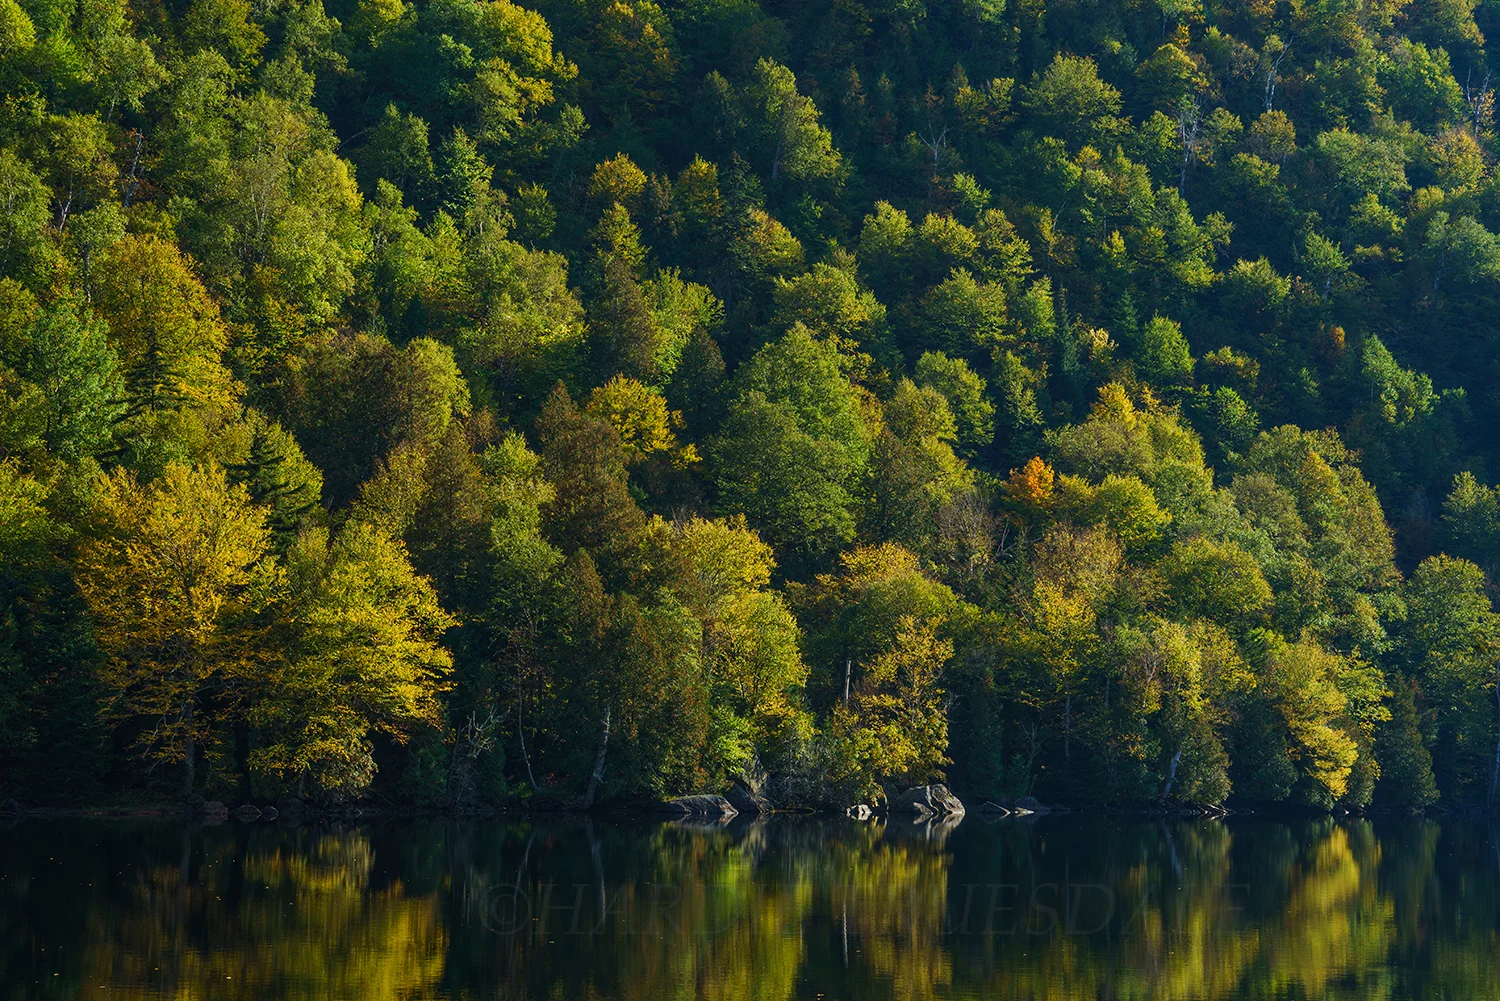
(449,402)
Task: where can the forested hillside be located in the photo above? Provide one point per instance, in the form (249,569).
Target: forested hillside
(452,401)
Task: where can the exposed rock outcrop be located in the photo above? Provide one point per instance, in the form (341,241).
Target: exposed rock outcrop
(748,801)
(700,807)
(935,800)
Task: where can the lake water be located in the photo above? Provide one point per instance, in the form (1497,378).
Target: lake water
(1058,908)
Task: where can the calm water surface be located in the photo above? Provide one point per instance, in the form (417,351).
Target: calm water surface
(1062,908)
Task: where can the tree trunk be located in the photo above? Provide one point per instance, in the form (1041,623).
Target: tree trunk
(1171,775)
(598,776)
(521,729)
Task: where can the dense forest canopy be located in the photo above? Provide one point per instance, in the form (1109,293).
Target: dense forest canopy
(450,400)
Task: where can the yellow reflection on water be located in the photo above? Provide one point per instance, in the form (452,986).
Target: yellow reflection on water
(1067,909)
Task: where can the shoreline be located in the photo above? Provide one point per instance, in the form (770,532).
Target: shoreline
(363,813)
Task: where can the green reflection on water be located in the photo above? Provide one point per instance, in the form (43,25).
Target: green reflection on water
(1064,908)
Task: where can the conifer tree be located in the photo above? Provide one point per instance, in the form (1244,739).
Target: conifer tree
(1405,763)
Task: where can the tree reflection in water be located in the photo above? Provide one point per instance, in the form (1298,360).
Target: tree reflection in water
(790,908)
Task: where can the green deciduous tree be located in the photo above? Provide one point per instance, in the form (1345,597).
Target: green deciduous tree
(973,413)
(1068,97)
(792,140)
(1215,580)
(1448,643)
(64,352)
(1164,354)
(793,444)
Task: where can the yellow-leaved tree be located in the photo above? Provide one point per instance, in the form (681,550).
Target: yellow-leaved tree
(359,653)
(894,724)
(640,415)
(173,573)
(721,571)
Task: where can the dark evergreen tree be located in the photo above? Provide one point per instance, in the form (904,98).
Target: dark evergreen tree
(1405,763)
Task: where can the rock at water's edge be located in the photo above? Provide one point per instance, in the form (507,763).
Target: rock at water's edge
(753,776)
(1029,804)
(932,799)
(747,801)
(701,807)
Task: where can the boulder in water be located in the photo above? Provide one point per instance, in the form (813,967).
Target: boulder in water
(699,807)
(931,799)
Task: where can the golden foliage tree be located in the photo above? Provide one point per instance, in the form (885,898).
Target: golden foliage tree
(362,655)
(173,573)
